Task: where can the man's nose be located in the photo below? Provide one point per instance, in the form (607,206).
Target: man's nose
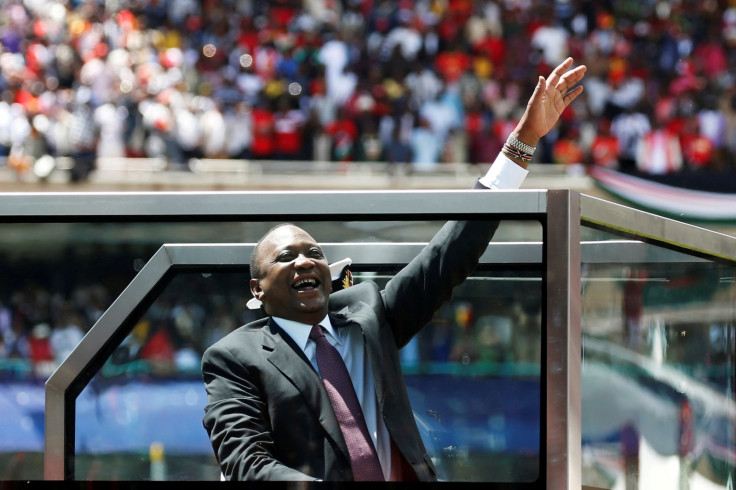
(303,262)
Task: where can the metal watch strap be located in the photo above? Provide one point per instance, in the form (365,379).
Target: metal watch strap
(511,141)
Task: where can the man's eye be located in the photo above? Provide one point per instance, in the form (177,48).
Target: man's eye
(316,253)
(285,257)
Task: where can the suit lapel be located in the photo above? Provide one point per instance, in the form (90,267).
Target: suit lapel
(284,354)
(361,315)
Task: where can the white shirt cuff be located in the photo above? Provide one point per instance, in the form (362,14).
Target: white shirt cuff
(504,174)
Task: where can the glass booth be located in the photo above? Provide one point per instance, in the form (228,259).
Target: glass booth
(592,347)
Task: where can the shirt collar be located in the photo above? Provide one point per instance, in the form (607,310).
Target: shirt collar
(299,332)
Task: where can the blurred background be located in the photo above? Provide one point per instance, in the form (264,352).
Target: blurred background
(154,95)
(169,83)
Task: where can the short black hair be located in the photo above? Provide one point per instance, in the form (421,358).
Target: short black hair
(255,268)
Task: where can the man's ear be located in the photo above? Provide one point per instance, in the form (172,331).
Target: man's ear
(255,288)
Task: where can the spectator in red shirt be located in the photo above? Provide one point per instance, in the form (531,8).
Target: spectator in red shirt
(697,149)
(452,64)
(263,131)
(42,355)
(344,133)
(288,126)
(604,149)
(566,150)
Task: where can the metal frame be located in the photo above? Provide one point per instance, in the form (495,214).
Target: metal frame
(652,228)
(264,206)
(563,341)
(561,213)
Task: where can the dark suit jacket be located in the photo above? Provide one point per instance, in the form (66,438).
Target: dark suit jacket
(268,415)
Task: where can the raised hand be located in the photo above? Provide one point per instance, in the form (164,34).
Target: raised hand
(550,98)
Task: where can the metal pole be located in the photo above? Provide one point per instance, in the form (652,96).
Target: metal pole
(563,341)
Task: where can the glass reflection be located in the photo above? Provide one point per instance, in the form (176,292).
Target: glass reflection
(80,268)
(474,380)
(473,377)
(658,373)
(140,418)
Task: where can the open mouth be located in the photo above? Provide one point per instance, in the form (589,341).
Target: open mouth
(306,284)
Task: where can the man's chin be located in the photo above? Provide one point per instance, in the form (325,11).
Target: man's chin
(313,305)
(311,299)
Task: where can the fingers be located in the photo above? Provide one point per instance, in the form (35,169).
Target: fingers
(539,90)
(556,75)
(562,79)
(539,93)
(572,95)
(569,79)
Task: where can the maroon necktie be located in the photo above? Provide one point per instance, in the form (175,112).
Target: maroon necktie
(363,457)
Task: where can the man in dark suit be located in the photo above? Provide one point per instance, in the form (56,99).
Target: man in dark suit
(268,413)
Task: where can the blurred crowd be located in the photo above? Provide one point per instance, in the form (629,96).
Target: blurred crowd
(52,304)
(425,81)
(45,313)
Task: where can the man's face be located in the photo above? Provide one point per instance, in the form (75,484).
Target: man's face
(295,278)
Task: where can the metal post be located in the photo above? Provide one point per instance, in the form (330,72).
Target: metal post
(563,341)
(55,454)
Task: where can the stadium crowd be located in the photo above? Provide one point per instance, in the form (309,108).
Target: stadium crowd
(426,81)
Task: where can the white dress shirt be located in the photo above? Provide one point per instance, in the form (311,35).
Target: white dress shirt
(504,174)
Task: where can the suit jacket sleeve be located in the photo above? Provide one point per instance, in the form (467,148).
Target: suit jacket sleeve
(236,418)
(413,296)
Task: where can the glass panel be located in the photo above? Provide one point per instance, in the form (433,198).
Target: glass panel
(140,417)
(474,379)
(58,278)
(473,374)
(658,367)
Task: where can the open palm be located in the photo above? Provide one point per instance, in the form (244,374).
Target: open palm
(549,100)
